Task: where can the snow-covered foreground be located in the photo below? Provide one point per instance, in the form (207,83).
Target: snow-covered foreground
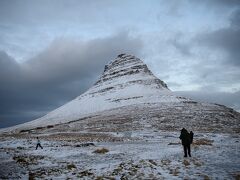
(141,155)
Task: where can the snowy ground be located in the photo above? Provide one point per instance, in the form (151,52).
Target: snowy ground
(141,155)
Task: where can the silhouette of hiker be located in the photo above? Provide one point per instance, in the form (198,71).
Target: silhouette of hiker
(186,141)
(38,143)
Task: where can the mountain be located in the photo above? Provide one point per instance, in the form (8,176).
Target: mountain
(129,97)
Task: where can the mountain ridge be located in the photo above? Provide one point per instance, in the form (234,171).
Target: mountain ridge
(129,89)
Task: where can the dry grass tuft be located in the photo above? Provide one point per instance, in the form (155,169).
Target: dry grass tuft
(85,173)
(153,162)
(20,160)
(197,163)
(205,177)
(174,172)
(186,163)
(71,166)
(27,160)
(203,141)
(101,151)
(165,162)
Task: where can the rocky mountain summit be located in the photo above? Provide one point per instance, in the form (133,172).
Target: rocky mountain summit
(128,97)
(126,65)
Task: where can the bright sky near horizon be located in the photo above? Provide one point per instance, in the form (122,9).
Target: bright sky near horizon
(52,51)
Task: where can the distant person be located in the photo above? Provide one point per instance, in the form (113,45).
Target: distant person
(38,143)
(186,142)
(191,137)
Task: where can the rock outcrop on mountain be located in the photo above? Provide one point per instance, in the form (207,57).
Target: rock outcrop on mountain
(129,97)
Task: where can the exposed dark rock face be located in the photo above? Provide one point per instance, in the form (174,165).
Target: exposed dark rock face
(125,65)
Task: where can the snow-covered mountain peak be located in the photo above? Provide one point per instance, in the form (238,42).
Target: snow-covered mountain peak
(125,81)
(123,61)
(128,96)
(128,67)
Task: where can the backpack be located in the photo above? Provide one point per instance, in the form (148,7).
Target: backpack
(191,137)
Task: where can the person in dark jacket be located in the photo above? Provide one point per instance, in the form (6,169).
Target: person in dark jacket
(38,144)
(186,142)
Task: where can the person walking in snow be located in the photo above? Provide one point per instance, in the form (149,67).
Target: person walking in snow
(186,142)
(38,143)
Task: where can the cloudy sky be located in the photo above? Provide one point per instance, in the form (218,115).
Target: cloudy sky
(52,51)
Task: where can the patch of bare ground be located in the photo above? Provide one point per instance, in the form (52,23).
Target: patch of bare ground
(70,137)
(27,160)
(165,162)
(86,173)
(153,162)
(175,171)
(203,141)
(186,163)
(71,166)
(200,175)
(206,177)
(196,162)
(42,173)
(143,169)
(101,151)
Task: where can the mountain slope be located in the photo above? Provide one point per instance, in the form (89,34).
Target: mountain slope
(128,96)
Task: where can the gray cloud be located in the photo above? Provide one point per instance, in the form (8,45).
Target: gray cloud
(214,54)
(183,47)
(45,12)
(56,75)
(176,7)
(226,39)
(8,68)
(225,3)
